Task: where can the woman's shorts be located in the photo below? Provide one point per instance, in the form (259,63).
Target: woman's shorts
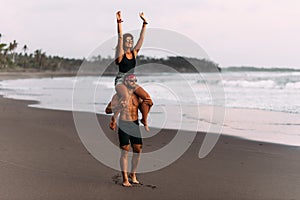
(120,78)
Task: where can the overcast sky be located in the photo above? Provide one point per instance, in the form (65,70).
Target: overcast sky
(262,33)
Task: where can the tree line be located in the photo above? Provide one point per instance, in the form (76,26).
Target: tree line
(39,61)
(157,65)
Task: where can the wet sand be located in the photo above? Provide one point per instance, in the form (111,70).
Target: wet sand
(42,157)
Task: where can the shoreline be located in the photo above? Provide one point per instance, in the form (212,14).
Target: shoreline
(246,123)
(24,75)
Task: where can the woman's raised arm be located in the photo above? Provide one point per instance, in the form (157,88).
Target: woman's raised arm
(119,50)
(142,34)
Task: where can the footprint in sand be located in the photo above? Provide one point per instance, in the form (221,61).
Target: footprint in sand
(151,186)
(116,178)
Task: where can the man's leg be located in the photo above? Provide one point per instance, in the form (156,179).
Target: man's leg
(124,164)
(137,150)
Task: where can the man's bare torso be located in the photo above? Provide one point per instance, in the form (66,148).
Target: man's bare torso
(130,112)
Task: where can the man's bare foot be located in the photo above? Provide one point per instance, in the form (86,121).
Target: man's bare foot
(133,178)
(145,125)
(126,184)
(113,124)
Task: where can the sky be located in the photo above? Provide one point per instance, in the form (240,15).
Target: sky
(261,33)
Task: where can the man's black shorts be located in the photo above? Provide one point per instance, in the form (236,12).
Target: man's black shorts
(129,131)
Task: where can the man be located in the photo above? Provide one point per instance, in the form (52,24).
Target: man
(145,104)
(128,131)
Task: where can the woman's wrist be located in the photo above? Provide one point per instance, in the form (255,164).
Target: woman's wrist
(144,22)
(119,20)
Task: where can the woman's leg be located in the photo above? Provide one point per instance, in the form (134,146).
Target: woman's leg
(123,94)
(145,105)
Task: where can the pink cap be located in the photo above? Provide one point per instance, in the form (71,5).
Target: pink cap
(130,77)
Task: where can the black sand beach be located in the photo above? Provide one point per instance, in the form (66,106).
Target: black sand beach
(42,157)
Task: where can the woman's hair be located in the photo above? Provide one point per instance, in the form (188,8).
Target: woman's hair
(125,35)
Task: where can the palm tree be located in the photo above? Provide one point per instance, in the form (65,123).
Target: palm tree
(3,55)
(40,57)
(37,56)
(11,48)
(14,46)
(1,45)
(25,48)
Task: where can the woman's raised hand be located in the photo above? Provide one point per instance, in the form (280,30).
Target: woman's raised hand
(143,17)
(118,15)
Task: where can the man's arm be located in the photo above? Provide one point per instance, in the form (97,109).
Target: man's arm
(114,102)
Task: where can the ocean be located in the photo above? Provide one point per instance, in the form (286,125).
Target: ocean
(177,97)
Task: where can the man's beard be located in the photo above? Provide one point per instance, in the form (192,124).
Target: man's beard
(130,86)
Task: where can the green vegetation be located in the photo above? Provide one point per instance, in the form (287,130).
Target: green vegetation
(10,60)
(182,64)
(153,65)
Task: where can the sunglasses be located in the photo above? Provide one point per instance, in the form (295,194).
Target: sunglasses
(132,81)
(129,40)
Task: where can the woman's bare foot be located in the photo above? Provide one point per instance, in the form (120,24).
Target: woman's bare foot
(113,124)
(147,128)
(133,178)
(145,125)
(108,109)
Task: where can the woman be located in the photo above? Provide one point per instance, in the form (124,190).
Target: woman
(126,55)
